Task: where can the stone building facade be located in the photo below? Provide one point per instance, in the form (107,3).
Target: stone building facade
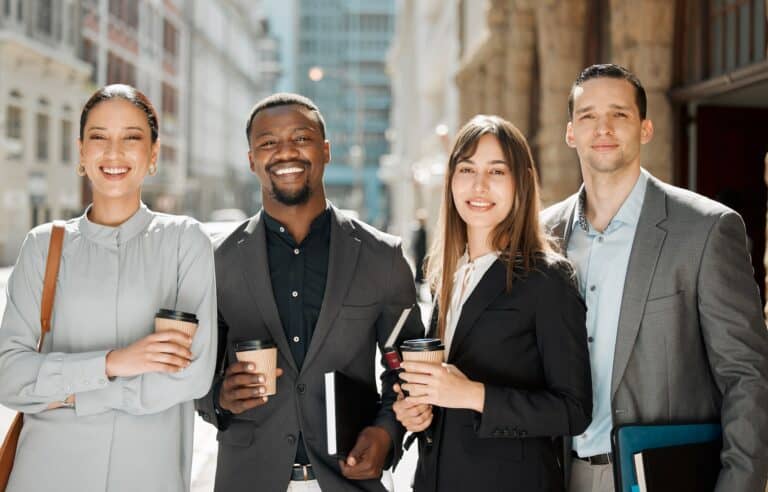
(703,65)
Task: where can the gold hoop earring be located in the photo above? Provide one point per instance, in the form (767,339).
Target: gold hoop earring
(80,170)
(152,169)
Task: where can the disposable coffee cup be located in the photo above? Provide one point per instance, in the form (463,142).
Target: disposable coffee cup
(263,355)
(168,319)
(429,350)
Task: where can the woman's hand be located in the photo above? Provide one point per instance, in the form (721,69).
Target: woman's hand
(415,417)
(166,351)
(442,385)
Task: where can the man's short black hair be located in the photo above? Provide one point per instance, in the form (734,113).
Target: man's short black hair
(612,71)
(284,99)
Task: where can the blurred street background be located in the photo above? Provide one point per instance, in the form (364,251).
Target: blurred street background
(395,79)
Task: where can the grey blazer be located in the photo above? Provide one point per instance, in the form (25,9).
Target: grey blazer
(692,343)
(368,285)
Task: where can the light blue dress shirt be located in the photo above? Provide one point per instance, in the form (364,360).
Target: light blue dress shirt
(601,262)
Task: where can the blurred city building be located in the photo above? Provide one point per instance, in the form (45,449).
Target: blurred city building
(144,43)
(333,51)
(233,64)
(42,87)
(703,64)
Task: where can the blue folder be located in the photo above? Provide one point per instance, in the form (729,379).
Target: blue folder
(626,440)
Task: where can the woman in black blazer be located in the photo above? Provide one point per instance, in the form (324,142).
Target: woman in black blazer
(517,374)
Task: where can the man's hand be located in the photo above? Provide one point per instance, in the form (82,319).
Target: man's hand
(243,388)
(366,460)
(415,417)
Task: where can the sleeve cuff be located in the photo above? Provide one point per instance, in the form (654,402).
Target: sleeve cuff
(63,374)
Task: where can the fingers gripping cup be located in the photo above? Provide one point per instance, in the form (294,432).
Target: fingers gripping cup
(263,355)
(168,319)
(429,350)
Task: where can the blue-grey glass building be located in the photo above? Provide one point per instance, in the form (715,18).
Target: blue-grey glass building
(334,52)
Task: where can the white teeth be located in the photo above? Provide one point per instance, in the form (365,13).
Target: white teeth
(479,204)
(289,170)
(115,170)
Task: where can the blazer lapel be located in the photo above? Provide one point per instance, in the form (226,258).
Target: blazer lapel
(564,224)
(342,260)
(646,247)
(491,285)
(253,258)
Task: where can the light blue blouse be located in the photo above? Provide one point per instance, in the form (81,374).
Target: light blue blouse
(125,434)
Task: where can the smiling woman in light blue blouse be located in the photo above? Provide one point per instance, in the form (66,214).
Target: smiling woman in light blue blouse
(108,403)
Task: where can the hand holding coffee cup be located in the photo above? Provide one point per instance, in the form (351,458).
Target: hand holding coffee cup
(168,319)
(249,382)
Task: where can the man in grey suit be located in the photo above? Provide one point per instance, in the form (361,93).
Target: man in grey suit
(674,322)
(326,289)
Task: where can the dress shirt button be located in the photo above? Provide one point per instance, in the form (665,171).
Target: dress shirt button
(592,288)
(282,229)
(296,339)
(294,294)
(206,417)
(600,239)
(296,251)
(590,339)
(290,438)
(301,388)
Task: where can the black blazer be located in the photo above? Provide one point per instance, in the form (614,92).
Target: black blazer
(368,285)
(529,348)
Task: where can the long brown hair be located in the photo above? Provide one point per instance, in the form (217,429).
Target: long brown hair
(518,237)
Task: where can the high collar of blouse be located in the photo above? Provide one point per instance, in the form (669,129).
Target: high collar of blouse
(118,235)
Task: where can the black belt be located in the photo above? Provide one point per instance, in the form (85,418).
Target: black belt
(598,459)
(302,473)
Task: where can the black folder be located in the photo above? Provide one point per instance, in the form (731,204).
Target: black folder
(683,468)
(350,406)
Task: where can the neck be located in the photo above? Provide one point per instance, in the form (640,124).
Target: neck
(606,192)
(113,212)
(478,242)
(296,218)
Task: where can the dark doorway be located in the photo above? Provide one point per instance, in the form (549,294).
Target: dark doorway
(731,147)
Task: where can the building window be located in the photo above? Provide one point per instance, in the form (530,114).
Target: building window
(91,56)
(718,37)
(13,122)
(42,137)
(13,132)
(170,38)
(170,100)
(45,16)
(125,10)
(66,141)
(120,71)
(167,155)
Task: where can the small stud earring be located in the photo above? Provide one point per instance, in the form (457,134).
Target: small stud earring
(152,169)
(80,170)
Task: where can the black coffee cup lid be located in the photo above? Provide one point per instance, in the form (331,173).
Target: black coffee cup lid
(422,345)
(253,345)
(176,315)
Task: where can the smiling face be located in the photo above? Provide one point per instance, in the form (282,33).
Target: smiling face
(483,188)
(116,150)
(288,154)
(606,129)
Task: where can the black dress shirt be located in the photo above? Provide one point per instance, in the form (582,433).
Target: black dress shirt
(298,273)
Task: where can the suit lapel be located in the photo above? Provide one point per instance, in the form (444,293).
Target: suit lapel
(342,260)
(490,286)
(253,258)
(646,247)
(564,224)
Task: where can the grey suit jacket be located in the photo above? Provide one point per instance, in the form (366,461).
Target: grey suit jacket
(692,343)
(368,285)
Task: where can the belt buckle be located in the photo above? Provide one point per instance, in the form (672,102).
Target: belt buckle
(304,470)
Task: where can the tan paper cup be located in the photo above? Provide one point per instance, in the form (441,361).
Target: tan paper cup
(429,350)
(263,355)
(168,319)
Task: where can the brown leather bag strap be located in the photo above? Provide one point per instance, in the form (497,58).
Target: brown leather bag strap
(49,283)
